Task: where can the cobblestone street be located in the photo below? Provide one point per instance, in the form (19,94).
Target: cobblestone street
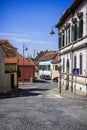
(38,106)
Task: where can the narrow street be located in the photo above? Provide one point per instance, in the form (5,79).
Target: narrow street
(38,106)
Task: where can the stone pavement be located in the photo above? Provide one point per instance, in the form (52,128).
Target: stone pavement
(39,106)
(69,94)
(54,92)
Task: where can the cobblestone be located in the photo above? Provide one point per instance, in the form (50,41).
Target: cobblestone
(41,108)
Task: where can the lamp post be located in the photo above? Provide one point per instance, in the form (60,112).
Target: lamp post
(24,49)
(86,80)
(59,81)
(52,32)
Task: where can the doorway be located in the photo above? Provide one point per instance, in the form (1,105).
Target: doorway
(12,81)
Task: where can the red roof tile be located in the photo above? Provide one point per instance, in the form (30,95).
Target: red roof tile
(10,60)
(48,55)
(8,48)
(26,62)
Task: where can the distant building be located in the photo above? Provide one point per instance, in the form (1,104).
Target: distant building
(73,47)
(26,69)
(36,62)
(46,66)
(55,66)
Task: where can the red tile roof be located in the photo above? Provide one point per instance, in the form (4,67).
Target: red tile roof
(26,62)
(18,59)
(56,59)
(10,60)
(48,55)
(12,56)
(8,48)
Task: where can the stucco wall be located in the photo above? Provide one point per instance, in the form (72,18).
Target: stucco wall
(4,78)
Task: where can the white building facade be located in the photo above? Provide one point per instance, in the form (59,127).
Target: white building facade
(72,28)
(45,67)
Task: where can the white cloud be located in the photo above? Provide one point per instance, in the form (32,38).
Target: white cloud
(17,38)
(30,41)
(13,34)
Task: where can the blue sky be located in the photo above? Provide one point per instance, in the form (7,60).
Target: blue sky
(30,21)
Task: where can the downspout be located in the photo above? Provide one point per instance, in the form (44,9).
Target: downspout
(86,54)
(86,35)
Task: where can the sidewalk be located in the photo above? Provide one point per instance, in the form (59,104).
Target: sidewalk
(70,95)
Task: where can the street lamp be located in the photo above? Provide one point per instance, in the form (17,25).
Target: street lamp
(52,32)
(24,49)
(59,81)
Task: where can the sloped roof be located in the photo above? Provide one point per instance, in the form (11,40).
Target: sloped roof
(20,60)
(8,48)
(30,60)
(48,55)
(36,61)
(10,60)
(56,59)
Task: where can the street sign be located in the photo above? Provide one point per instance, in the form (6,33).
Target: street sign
(75,70)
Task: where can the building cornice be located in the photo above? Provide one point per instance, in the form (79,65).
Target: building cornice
(74,48)
(69,12)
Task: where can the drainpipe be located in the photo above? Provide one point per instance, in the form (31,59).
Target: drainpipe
(86,20)
(72,68)
(86,55)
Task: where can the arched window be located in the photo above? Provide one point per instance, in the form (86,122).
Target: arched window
(80,16)
(59,41)
(74,29)
(80,28)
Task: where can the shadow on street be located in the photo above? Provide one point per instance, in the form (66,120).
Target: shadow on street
(41,81)
(22,93)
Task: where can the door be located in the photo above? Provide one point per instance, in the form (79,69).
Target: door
(12,81)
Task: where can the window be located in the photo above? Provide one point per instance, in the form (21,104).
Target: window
(48,67)
(59,41)
(75,31)
(68,35)
(39,67)
(75,64)
(56,67)
(63,39)
(19,73)
(72,33)
(44,67)
(80,28)
(81,63)
(80,24)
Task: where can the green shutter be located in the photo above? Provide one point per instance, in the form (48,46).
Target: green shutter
(80,28)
